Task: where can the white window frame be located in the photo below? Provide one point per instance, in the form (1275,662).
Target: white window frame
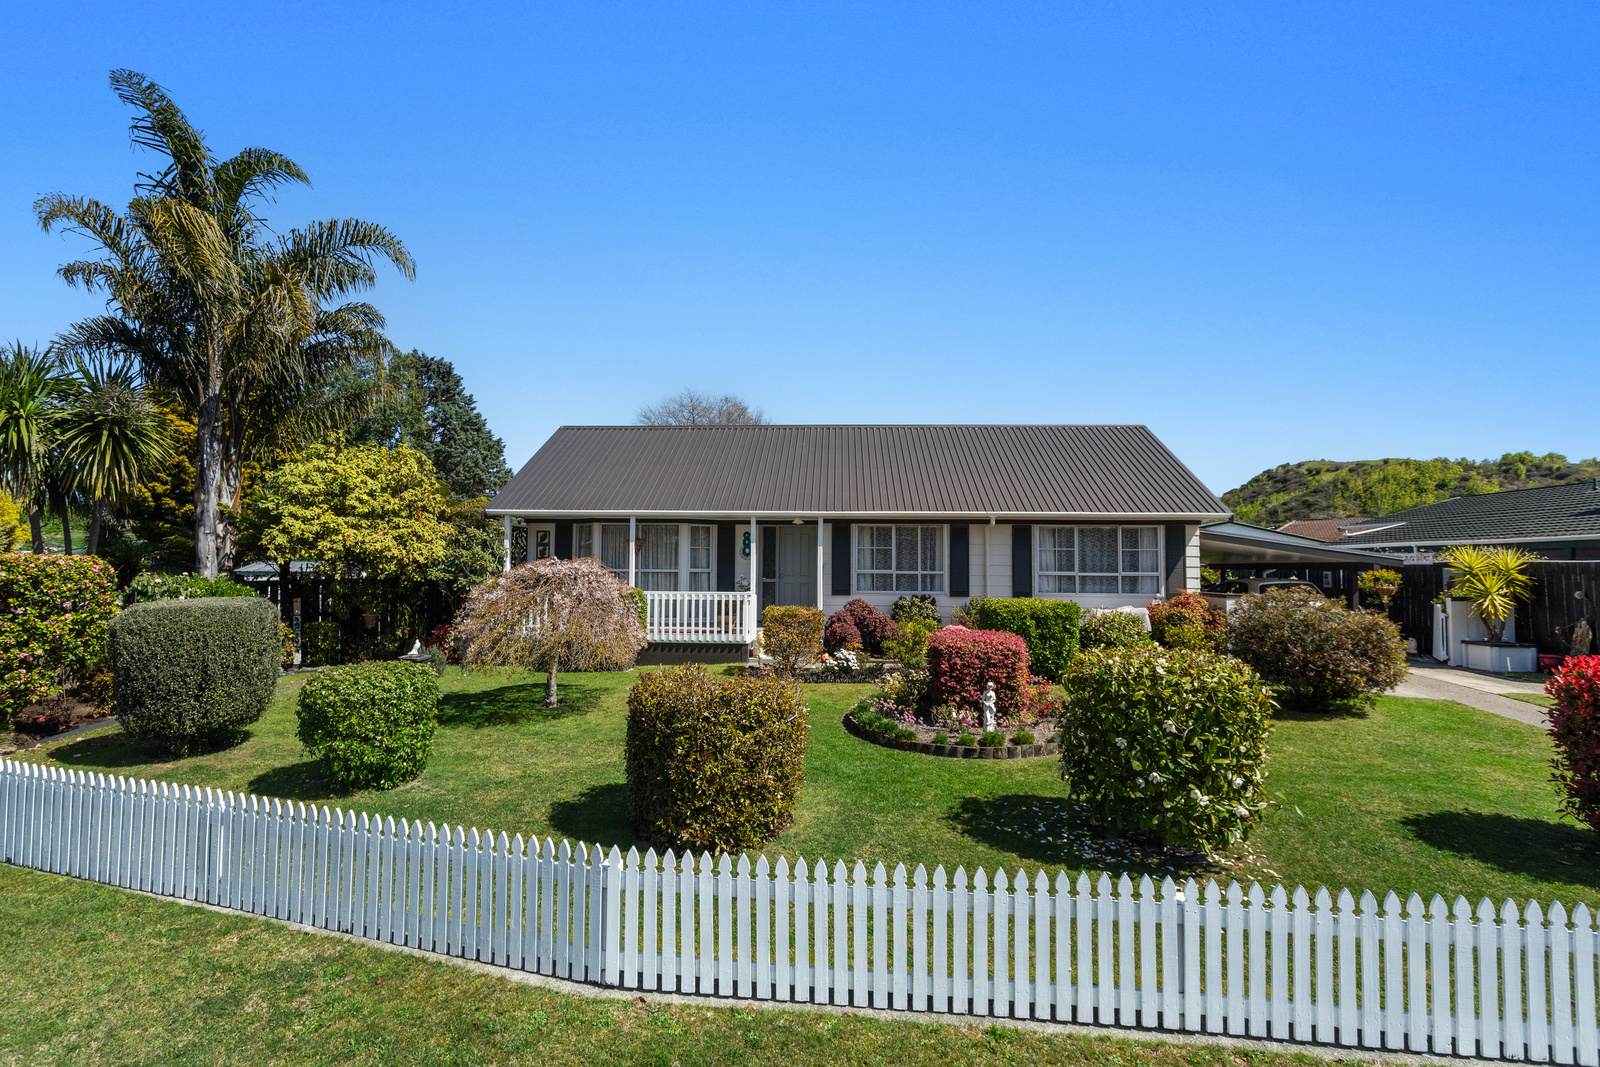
(671,577)
(1130,582)
(591,536)
(700,579)
(900,580)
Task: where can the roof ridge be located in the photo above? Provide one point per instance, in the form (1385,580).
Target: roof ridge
(864,426)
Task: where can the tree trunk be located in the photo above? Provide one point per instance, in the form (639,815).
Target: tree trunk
(93,548)
(35,529)
(550,685)
(207,486)
(228,508)
(66,525)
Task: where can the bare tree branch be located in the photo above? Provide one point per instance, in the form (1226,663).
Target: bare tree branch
(693,408)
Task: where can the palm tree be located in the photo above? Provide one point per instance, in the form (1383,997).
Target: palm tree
(246,331)
(29,386)
(110,432)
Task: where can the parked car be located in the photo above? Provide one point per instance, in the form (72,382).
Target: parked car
(1238,586)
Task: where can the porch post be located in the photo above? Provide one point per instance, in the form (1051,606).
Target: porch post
(755,571)
(819,563)
(505,559)
(633,549)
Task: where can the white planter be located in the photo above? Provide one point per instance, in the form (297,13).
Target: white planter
(1500,657)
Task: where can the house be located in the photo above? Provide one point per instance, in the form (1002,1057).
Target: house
(1558,522)
(716,522)
(1319,529)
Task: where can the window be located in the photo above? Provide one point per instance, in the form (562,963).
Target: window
(657,562)
(613,546)
(907,559)
(1099,559)
(700,557)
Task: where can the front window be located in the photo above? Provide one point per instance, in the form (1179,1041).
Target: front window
(613,546)
(1099,559)
(700,558)
(658,557)
(908,559)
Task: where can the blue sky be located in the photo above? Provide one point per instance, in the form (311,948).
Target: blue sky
(1270,232)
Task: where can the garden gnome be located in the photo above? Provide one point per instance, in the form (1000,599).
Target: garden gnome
(988,708)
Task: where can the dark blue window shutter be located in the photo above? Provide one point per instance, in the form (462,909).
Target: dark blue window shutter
(1177,571)
(841,558)
(1021,560)
(726,536)
(960,565)
(563,545)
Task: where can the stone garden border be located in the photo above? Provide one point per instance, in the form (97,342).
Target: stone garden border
(928,748)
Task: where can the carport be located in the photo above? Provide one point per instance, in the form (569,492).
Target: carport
(1241,551)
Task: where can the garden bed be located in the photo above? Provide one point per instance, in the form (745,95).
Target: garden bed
(928,748)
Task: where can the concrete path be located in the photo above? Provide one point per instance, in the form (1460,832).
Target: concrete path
(1475,690)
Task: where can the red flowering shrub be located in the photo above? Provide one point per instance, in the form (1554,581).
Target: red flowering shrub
(443,639)
(859,622)
(1187,620)
(53,616)
(1575,728)
(960,662)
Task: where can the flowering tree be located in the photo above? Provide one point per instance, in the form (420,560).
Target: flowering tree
(551,615)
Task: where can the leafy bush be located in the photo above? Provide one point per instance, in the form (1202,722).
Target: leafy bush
(1050,627)
(904,691)
(713,763)
(961,661)
(319,643)
(919,607)
(941,739)
(151,585)
(639,602)
(371,724)
(792,636)
(1575,729)
(859,623)
(1022,737)
(911,647)
(992,739)
(443,639)
(1113,629)
(1314,649)
(1167,744)
(1186,620)
(190,674)
(55,610)
(967,741)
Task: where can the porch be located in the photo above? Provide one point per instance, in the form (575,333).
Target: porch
(700,617)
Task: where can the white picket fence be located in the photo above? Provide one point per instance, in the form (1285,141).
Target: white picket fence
(1493,983)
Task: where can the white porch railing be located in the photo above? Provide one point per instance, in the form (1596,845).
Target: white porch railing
(728,618)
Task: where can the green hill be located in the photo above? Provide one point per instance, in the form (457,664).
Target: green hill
(1324,489)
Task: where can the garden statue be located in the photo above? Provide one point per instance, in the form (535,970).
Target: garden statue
(1581,638)
(988,708)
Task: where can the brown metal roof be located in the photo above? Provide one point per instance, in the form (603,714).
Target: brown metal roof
(856,470)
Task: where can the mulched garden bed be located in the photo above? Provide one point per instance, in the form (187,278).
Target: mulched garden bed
(56,715)
(924,744)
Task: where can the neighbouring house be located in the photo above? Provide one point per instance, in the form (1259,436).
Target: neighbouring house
(1320,529)
(1557,522)
(716,522)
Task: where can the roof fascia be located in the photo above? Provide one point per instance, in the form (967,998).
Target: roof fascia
(1595,536)
(1008,516)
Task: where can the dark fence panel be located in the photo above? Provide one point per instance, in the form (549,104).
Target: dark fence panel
(1412,607)
(1563,593)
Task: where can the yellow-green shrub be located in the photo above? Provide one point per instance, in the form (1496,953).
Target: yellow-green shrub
(792,636)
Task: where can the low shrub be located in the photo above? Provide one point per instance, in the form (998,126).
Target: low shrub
(56,610)
(916,607)
(954,718)
(1187,620)
(941,739)
(1316,651)
(1049,627)
(713,763)
(1022,737)
(370,724)
(190,674)
(1575,729)
(152,585)
(992,739)
(910,649)
(961,661)
(1113,629)
(967,741)
(319,643)
(1168,744)
(443,639)
(792,636)
(903,690)
(859,623)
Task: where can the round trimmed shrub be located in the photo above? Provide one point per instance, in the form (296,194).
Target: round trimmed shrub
(860,622)
(1316,651)
(189,675)
(1167,744)
(1050,627)
(371,724)
(1187,620)
(916,607)
(713,763)
(961,662)
(1113,629)
(792,636)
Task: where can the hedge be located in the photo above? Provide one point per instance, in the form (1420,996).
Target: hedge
(1113,629)
(190,674)
(961,661)
(713,763)
(1575,729)
(792,636)
(1049,627)
(371,724)
(53,616)
(1169,744)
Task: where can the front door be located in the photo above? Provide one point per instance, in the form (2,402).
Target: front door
(797,565)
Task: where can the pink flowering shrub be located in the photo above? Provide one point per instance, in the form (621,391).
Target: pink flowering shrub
(1575,728)
(859,623)
(53,616)
(961,662)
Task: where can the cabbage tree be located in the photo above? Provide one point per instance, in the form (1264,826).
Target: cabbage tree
(1493,578)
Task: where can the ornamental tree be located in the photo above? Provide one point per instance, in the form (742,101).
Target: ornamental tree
(1575,729)
(551,615)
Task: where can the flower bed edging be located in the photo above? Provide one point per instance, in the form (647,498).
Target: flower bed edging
(928,748)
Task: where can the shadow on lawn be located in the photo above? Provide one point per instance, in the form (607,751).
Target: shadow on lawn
(599,813)
(516,703)
(297,781)
(1052,831)
(110,749)
(1549,851)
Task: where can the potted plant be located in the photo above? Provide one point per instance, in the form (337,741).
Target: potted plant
(1493,579)
(1379,585)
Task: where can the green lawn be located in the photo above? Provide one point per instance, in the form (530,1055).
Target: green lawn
(1415,795)
(1544,700)
(98,976)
